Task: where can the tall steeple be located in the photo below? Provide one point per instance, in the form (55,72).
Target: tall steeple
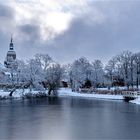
(10,60)
(11,47)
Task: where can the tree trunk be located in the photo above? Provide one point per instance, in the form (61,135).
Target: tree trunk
(11,93)
(49,92)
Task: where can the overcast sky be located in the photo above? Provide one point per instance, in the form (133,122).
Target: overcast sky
(69,29)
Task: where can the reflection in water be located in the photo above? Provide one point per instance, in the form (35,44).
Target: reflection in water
(68,118)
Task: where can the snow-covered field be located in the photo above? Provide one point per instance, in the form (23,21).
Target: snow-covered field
(68,92)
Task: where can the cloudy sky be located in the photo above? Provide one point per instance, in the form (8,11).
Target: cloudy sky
(68,29)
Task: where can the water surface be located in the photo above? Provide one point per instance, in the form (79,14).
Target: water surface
(68,119)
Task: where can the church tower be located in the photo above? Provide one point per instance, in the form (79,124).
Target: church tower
(10,60)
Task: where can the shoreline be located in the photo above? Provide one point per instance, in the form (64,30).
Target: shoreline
(68,92)
(61,93)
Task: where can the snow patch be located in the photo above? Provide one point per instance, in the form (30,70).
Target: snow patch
(68,92)
(136,101)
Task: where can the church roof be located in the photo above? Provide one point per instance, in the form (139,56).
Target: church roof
(1,66)
(11,52)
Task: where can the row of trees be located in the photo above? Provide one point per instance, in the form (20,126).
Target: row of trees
(121,70)
(42,72)
(124,68)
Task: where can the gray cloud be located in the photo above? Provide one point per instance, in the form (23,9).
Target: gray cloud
(101,41)
(6,12)
(6,24)
(118,31)
(29,32)
(81,40)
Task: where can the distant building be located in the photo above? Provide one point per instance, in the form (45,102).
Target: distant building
(10,61)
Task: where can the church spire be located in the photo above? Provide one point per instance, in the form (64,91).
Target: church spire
(11,39)
(11,44)
(10,60)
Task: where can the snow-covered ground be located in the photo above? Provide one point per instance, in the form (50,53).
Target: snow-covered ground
(3,93)
(63,92)
(19,93)
(68,92)
(136,101)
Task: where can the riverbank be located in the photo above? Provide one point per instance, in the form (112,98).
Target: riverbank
(20,93)
(26,93)
(136,101)
(68,92)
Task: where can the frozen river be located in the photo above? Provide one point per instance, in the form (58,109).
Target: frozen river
(69,119)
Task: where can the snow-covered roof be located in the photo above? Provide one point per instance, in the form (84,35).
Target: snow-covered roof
(11,52)
(2,67)
(7,73)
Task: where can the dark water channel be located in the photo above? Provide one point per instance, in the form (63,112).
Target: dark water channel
(68,119)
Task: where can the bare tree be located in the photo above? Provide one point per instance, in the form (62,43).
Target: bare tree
(53,77)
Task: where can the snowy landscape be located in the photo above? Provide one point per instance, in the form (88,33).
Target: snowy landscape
(42,76)
(69,69)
